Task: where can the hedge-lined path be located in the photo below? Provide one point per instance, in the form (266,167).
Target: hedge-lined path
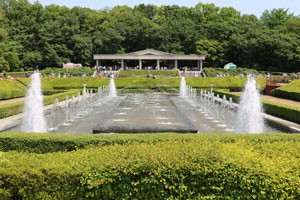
(280,100)
(3,102)
(275,99)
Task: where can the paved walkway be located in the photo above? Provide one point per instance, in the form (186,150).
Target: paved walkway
(276,99)
(280,100)
(3,102)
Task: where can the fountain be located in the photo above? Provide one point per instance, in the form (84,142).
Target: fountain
(130,113)
(183,87)
(34,120)
(112,88)
(249,115)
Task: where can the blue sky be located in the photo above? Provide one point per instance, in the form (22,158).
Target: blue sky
(255,7)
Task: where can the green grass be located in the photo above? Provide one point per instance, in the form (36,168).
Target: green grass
(10,88)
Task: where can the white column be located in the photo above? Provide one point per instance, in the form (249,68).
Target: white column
(97,63)
(158,64)
(176,64)
(122,64)
(140,64)
(201,65)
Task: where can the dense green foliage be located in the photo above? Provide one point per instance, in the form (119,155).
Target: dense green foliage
(32,35)
(289,91)
(10,89)
(156,166)
(54,142)
(7,110)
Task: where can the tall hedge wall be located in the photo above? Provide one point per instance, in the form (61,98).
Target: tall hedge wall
(289,91)
(198,168)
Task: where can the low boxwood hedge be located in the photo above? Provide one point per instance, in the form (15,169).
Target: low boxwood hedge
(7,110)
(213,72)
(54,142)
(11,88)
(230,83)
(289,91)
(198,168)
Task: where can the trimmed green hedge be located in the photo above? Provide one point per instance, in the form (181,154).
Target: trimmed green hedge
(231,83)
(149,74)
(19,74)
(93,83)
(7,110)
(74,83)
(71,72)
(45,84)
(213,72)
(291,113)
(289,91)
(54,142)
(10,88)
(197,168)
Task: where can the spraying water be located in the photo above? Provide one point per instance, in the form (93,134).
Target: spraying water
(183,87)
(34,120)
(112,88)
(249,115)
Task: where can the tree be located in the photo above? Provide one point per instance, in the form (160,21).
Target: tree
(82,49)
(213,51)
(12,59)
(31,59)
(4,65)
(275,17)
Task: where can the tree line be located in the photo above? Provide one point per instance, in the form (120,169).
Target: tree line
(32,35)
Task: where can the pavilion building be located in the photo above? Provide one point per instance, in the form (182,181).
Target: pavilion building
(150,54)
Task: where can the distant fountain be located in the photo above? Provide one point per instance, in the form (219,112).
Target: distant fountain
(249,115)
(183,88)
(112,88)
(34,120)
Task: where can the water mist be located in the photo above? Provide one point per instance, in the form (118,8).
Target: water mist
(34,119)
(249,115)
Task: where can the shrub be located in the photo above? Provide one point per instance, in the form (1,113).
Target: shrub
(213,72)
(231,83)
(70,72)
(291,113)
(200,168)
(289,91)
